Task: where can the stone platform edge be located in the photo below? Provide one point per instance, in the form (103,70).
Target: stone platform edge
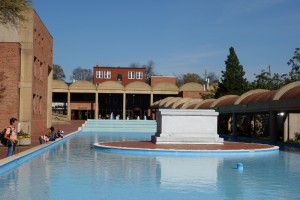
(105,146)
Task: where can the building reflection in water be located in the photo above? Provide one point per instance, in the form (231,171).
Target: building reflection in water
(189,172)
(166,172)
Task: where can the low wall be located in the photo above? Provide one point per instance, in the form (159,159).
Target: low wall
(187,126)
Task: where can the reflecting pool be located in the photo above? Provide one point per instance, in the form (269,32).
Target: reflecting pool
(74,170)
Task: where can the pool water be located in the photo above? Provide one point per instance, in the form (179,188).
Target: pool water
(75,170)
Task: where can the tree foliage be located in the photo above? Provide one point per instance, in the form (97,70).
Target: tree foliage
(149,69)
(134,65)
(80,73)
(12,11)
(232,80)
(213,78)
(265,80)
(209,95)
(187,78)
(58,73)
(294,62)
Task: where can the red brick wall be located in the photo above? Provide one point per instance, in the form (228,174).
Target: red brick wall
(42,62)
(159,79)
(114,74)
(10,57)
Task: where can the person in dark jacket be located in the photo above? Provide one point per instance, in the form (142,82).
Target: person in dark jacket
(52,134)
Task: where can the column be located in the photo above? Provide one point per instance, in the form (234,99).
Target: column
(124,106)
(69,106)
(149,109)
(96,107)
(234,124)
(272,125)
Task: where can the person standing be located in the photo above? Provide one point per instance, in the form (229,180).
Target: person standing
(11,136)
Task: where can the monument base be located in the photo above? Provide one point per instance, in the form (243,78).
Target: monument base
(186,126)
(186,140)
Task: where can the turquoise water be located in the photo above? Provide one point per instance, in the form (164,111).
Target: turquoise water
(75,170)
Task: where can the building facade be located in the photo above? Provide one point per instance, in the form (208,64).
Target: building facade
(84,100)
(267,114)
(124,75)
(127,100)
(26,59)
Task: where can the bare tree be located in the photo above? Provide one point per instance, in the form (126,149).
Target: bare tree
(58,73)
(149,69)
(82,74)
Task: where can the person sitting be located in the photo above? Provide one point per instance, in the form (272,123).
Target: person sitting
(11,136)
(43,139)
(60,133)
(52,135)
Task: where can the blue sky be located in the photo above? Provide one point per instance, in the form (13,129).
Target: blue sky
(180,36)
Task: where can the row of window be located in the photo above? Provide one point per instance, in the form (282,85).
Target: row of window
(107,75)
(103,74)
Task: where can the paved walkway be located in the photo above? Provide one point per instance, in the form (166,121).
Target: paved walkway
(67,127)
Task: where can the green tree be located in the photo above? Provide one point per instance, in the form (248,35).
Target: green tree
(12,11)
(187,78)
(294,62)
(58,73)
(232,80)
(80,73)
(265,80)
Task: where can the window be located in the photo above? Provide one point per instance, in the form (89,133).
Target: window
(99,74)
(107,74)
(130,75)
(119,77)
(139,75)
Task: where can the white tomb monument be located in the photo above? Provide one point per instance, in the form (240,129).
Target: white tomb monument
(186,126)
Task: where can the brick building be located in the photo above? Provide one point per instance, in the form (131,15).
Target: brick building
(154,80)
(85,100)
(26,59)
(124,75)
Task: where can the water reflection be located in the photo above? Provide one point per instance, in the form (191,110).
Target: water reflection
(186,173)
(74,170)
(197,173)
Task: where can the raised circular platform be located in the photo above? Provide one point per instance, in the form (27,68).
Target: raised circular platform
(146,147)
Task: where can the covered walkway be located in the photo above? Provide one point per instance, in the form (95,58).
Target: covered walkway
(272,114)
